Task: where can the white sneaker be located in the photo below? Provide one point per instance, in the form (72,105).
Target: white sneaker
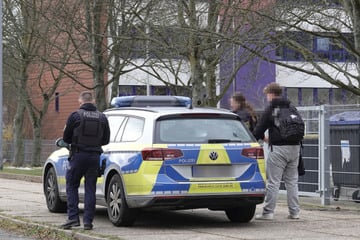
(268,216)
(293,216)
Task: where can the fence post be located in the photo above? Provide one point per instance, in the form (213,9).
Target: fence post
(324,156)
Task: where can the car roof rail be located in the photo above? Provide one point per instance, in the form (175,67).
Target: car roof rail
(152,101)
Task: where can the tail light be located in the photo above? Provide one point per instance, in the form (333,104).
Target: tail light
(255,152)
(160,154)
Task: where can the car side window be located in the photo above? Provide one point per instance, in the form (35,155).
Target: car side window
(116,124)
(133,129)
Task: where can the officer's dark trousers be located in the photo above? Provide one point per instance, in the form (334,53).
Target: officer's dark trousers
(82,164)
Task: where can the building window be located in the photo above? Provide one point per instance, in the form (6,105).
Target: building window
(322,44)
(127,90)
(315,96)
(352,98)
(57,102)
(153,42)
(292,95)
(323,96)
(307,97)
(287,53)
(328,47)
(320,96)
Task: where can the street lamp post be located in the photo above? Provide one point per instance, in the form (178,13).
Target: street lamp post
(1,90)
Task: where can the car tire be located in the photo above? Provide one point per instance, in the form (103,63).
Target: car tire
(356,196)
(241,214)
(336,194)
(118,211)
(51,190)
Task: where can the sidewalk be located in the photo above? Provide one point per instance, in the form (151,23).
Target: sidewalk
(23,202)
(11,236)
(307,201)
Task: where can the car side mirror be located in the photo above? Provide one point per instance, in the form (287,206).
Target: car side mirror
(61,143)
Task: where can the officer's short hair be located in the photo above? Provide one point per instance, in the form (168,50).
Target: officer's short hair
(86,96)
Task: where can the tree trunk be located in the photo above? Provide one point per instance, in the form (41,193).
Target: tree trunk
(198,90)
(97,40)
(36,157)
(211,99)
(18,160)
(115,79)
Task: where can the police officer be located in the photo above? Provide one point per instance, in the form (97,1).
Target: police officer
(86,130)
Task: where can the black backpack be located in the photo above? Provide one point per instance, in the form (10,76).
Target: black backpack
(289,123)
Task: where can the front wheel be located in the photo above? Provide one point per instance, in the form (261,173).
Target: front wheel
(118,211)
(241,214)
(51,190)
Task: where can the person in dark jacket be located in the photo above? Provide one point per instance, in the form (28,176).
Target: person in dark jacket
(246,113)
(282,159)
(86,131)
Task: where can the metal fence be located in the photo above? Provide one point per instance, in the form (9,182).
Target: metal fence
(48,146)
(331,153)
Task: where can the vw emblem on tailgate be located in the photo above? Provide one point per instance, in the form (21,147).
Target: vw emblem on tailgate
(213,156)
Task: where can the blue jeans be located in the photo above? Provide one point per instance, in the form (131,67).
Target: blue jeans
(281,163)
(82,164)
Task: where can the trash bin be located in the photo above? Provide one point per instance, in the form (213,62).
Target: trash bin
(345,141)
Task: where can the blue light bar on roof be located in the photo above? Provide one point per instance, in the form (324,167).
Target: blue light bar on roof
(151,101)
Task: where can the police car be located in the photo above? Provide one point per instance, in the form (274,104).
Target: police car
(163,153)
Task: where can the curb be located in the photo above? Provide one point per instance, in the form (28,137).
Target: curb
(27,178)
(70,233)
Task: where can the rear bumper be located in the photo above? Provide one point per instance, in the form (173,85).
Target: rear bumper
(215,202)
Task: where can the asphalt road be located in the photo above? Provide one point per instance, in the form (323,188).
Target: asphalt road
(25,202)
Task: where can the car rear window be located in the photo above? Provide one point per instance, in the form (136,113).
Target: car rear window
(201,130)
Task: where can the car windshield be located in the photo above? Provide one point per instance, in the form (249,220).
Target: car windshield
(201,130)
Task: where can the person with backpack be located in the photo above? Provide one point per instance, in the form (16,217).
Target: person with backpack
(286,130)
(86,130)
(239,106)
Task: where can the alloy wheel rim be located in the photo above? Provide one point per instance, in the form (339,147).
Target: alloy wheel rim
(51,189)
(115,200)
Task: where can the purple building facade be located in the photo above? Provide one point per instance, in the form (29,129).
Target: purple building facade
(250,79)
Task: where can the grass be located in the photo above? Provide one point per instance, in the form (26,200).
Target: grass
(34,231)
(22,227)
(37,171)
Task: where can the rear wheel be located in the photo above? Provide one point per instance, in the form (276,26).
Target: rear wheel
(241,214)
(336,194)
(118,211)
(356,196)
(51,190)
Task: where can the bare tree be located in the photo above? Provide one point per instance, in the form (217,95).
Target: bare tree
(126,38)
(100,32)
(38,48)
(293,26)
(18,32)
(200,35)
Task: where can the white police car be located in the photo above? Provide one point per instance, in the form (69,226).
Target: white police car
(165,154)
